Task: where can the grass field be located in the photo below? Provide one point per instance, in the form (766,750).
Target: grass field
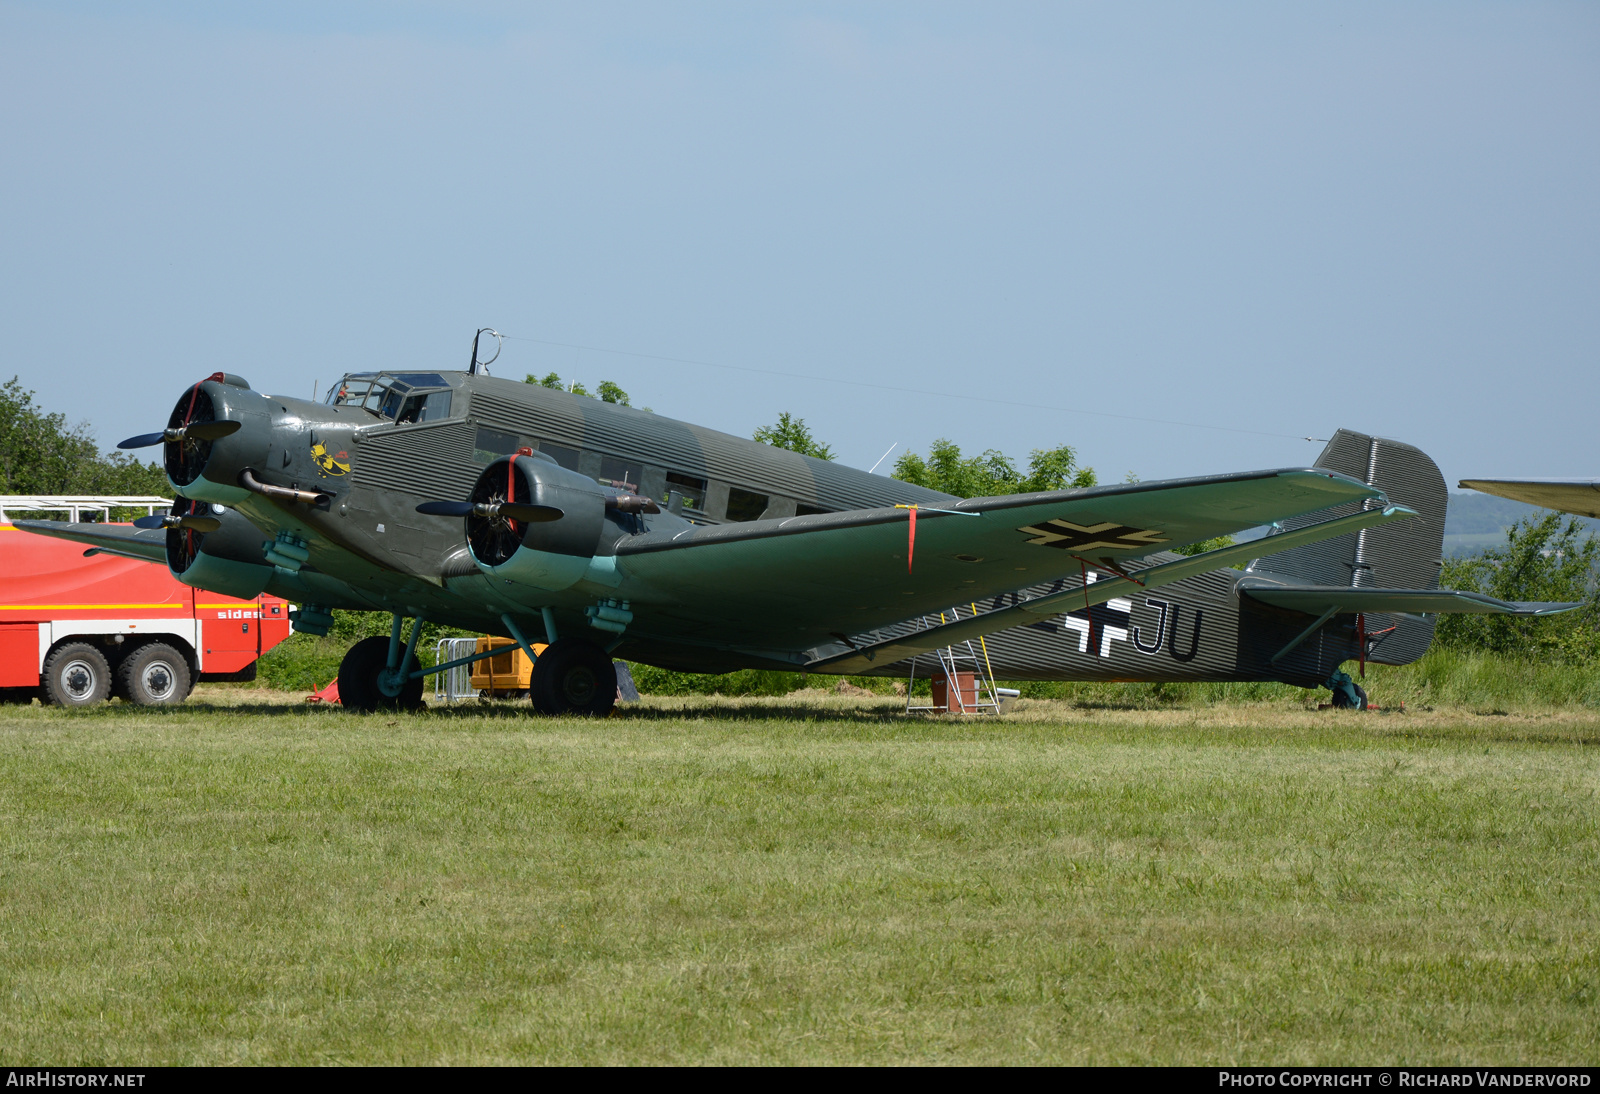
(251,880)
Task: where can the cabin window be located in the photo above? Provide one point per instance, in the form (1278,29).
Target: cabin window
(809,510)
(692,489)
(491,444)
(566,457)
(622,474)
(425,408)
(743,505)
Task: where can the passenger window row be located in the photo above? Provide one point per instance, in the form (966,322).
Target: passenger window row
(702,499)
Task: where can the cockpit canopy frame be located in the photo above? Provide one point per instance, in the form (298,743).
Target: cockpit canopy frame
(398,396)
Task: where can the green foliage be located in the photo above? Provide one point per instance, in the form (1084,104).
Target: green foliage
(305,662)
(945,469)
(746,682)
(607,391)
(612,393)
(41,454)
(1208,545)
(791,433)
(1550,557)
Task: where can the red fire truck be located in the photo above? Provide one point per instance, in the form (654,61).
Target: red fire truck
(77,627)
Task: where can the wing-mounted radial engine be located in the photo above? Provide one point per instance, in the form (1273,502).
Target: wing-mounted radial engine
(532,522)
(209,547)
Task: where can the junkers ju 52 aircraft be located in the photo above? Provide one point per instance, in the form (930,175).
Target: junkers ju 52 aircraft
(507,508)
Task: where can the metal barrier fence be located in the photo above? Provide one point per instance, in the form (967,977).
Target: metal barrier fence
(456,683)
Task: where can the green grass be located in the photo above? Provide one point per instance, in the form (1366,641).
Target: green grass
(249,879)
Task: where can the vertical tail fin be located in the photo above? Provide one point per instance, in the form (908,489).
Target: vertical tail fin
(1403,555)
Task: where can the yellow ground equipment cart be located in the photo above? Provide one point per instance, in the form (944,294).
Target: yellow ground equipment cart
(507,672)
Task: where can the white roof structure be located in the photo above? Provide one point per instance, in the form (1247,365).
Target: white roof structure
(79,504)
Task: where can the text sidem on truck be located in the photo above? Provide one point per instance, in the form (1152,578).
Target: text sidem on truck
(77,627)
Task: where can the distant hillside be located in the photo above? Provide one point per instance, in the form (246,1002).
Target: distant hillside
(1476,521)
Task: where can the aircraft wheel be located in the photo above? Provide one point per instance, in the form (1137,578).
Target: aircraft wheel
(365,684)
(574,677)
(76,675)
(154,675)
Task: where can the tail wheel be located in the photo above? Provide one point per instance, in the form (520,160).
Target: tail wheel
(76,675)
(153,675)
(365,683)
(574,677)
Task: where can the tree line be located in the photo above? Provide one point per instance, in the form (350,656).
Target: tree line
(40,453)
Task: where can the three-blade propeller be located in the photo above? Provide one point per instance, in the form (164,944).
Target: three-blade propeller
(195,524)
(528,514)
(199,431)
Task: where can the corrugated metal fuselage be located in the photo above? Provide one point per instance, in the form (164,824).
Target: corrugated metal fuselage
(1198,629)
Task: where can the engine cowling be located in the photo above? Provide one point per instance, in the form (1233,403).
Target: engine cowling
(551,555)
(227,561)
(209,470)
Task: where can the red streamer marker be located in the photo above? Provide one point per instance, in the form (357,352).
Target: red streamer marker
(511,482)
(911,538)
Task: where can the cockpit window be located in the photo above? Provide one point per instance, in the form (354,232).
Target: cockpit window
(400,397)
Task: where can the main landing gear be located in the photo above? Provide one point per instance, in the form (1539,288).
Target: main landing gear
(571,676)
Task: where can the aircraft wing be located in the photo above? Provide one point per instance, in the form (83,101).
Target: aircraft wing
(1343,600)
(795,583)
(1078,595)
(1578,496)
(148,544)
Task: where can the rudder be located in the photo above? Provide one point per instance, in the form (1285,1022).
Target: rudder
(1406,554)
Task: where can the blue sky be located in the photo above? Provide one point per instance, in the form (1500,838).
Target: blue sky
(1110,221)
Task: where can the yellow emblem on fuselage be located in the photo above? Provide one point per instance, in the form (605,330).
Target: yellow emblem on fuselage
(329,464)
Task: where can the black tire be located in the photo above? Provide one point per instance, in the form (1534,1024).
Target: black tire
(76,675)
(358,679)
(18,696)
(574,677)
(154,675)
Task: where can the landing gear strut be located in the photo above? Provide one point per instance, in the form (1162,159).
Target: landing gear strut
(573,677)
(374,675)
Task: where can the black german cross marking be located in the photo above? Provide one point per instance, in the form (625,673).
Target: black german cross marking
(1078,538)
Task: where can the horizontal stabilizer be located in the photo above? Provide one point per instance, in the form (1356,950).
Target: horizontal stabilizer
(1580,496)
(1079,596)
(1344,600)
(117,539)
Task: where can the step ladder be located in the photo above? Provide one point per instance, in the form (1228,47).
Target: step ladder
(962,659)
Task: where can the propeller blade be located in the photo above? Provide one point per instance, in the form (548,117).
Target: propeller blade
(212,431)
(446,508)
(197,524)
(531,514)
(143,440)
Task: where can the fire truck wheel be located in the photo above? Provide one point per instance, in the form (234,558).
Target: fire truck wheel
(76,675)
(153,675)
(573,677)
(362,685)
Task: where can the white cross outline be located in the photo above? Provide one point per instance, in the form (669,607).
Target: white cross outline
(1107,633)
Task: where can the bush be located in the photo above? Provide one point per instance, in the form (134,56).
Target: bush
(1549,558)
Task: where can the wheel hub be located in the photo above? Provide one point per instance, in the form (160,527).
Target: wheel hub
(159,682)
(78,679)
(391,682)
(579,686)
